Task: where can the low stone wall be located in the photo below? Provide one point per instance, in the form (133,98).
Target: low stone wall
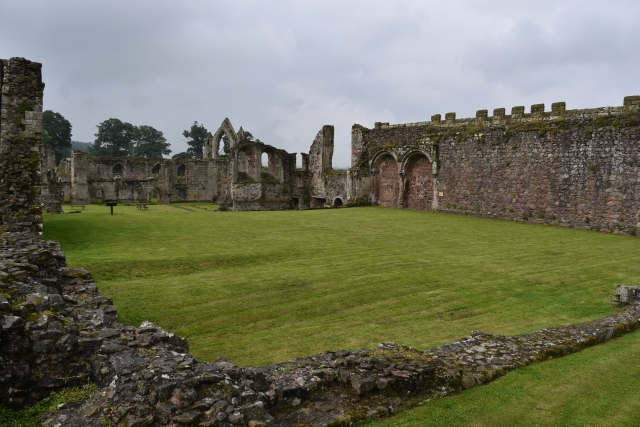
(57,330)
(261,196)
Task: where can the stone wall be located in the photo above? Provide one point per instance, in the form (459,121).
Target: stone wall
(320,160)
(52,186)
(576,168)
(335,187)
(418,191)
(20,140)
(387,182)
(239,182)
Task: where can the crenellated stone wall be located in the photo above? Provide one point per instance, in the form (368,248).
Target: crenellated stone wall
(576,168)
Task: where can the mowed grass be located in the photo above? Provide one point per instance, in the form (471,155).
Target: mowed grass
(597,387)
(264,287)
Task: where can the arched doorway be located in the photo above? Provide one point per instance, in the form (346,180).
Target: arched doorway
(387,182)
(418,182)
(337,202)
(154,196)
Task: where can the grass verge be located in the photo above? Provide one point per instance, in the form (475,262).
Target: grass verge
(596,387)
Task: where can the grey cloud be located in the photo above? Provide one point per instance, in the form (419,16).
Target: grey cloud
(282,69)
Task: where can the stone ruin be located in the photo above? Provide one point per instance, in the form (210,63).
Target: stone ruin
(238,182)
(57,330)
(574,168)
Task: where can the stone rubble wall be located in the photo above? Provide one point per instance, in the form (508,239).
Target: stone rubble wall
(52,188)
(20,140)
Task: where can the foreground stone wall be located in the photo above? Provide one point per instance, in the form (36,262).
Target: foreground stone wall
(576,168)
(20,141)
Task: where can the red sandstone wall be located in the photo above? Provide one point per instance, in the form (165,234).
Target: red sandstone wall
(587,179)
(418,184)
(578,168)
(388,185)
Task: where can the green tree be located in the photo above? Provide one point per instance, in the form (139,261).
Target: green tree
(114,139)
(226,146)
(195,139)
(150,143)
(183,155)
(56,132)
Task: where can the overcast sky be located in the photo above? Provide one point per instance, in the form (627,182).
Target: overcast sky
(283,69)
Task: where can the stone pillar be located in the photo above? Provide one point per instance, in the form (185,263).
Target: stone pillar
(435,204)
(20,140)
(357,144)
(257,172)
(52,193)
(79,186)
(401,193)
(208,148)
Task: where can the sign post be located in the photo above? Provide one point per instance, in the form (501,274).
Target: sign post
(111,203)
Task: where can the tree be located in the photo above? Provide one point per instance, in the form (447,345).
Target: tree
(56,132)
(114,139)
(150,143)
(226,146)
(195,138)
(183,155)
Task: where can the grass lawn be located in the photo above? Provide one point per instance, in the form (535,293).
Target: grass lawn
(262,287)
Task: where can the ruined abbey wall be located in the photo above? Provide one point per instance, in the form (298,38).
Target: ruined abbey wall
(577,168)
(239,181)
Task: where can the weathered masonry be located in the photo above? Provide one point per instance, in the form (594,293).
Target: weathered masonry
(239,181)
(578,168)
(20,143)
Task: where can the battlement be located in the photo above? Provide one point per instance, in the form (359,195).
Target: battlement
(536,113)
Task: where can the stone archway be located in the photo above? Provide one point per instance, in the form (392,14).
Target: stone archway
(387,181)
(212,148)
(418,182)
